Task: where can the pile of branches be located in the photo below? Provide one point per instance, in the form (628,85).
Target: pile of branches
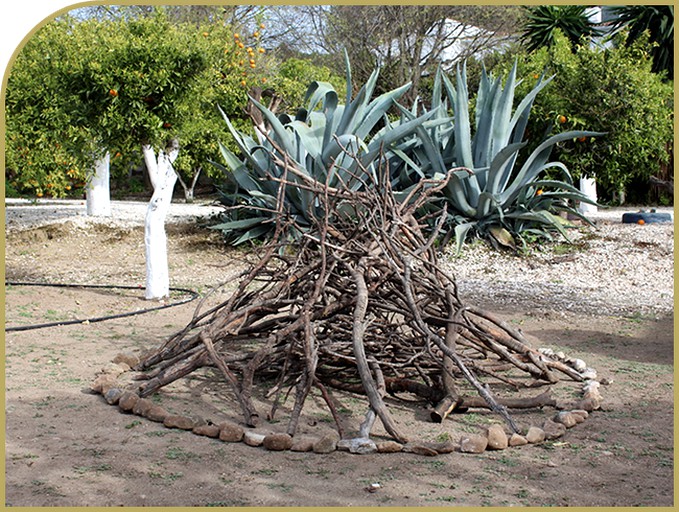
(360,303)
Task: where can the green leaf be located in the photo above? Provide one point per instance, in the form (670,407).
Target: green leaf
(461,231)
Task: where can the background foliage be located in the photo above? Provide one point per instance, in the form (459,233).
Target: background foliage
(611,90)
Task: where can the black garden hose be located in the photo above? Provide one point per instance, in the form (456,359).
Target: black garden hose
(191,296)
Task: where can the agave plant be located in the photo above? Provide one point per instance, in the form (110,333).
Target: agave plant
(495,199)
(327,141)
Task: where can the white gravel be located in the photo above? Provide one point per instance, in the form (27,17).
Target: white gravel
(24,214)
(616,268)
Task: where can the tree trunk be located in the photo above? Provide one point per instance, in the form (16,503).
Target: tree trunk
(163,179)
(189,190)
(98,195)
(588,187)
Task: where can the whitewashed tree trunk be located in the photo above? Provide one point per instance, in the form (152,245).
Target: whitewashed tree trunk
(98,194)
(588,188)
(189,189)
(163,179)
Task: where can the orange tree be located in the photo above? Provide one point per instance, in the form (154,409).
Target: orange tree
(611,90)
(81,87)
(45,146)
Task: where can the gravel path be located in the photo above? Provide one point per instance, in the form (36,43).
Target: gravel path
(24,214)
(614,269)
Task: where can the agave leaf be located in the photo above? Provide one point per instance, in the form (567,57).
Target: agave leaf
(501,124)
(461,231)
(502,236)
(463,142)
(536,162)
(238,170)
(486,108)
(268,199)
(383,142)
(576,213)
(277,127)
(310,138)
(253,234)
(455,193)
(354,110)
(377,108)
(520,119)
(541,217)
(240,224)
(347,66)
(318,91)
(500,165)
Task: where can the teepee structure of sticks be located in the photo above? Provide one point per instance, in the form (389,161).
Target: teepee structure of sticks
(360,303)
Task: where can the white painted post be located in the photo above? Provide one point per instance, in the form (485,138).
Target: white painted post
(588,188)
(97,192)
(163,179)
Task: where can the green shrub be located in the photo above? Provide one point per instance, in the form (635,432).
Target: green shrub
(610,90)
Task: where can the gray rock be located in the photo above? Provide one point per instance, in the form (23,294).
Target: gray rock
(357,445)
(517,440)
(179,421)
(156,413)
(103,383)
(112,369)
(389,447)
(443,447)
(277,442)
(579,365)
(535,435)
(303,444)
(588,404)
(580,415)
(566,419)
(253,438)
(327,443)
(230,432)
(130,360)
(589,373)
(420,449)
(497,439)
(473,443)
(207,430)
(142,406)
(113,395)
(127,401)
(553,430)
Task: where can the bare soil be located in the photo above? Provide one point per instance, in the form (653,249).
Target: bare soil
(67,447)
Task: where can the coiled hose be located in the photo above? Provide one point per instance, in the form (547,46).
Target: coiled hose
(192,295)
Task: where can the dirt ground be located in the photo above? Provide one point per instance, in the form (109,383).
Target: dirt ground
(67,447)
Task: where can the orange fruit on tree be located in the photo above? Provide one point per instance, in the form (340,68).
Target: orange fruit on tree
(113,92)
(261,25)
(538,192)
(261,50)
(562,119)
(582,139)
